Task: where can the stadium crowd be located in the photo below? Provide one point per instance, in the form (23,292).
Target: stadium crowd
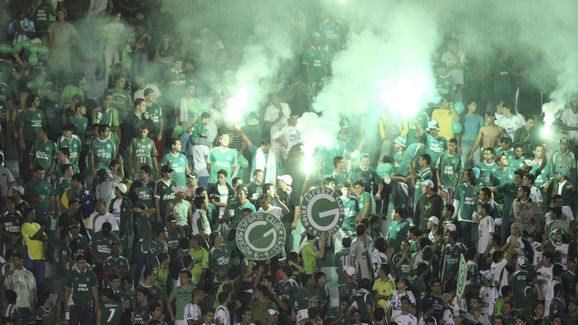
(123,182)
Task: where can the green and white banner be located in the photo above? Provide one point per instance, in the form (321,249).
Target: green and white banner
(260,234)
(322,211)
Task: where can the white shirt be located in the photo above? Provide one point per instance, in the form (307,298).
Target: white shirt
(535,194)
(497,271)
(544,277)
(548,297)
(272,112)
(408,319)
(485,231)
(489,297)
(222,316)
(193,312)
(140,92)
(569,118)
(511,124)
(276,211)
(566,214)
(96,221)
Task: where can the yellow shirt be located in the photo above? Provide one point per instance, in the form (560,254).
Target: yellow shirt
(444,117)
(383,288)
(35,248)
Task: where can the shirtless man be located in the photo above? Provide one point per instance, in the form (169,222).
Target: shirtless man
(489,135)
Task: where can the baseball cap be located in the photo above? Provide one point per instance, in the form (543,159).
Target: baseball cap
(428,183)
(400,140)
(167,169)
(433,124)
(522,261)
(193,175)
(172,218)
(121,187)
(314,299)
(18,188)
(487,274)
(435,220)
(180,189)
(562,171)
(450,226)
(286,178)
(349,270)
(564,140)
(272,312)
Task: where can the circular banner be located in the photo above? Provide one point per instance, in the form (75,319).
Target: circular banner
(322,211)
(260,234)
(462,277)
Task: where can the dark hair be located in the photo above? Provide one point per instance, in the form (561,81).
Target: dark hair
(328,180)
(525,189)
(450,208)
(102,128)
(454,141)
(222,172)
(426,157)
(337,160)
(148,91)
(346,242)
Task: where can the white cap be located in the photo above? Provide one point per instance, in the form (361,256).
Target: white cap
(487,274)
(18,188)
(450,226)
(180,189)
(272,312)
(428,183)
(349,270)
(121,187)
(435,220)
(286,178)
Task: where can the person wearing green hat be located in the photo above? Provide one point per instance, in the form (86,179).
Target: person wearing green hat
(435,144)
(565,159)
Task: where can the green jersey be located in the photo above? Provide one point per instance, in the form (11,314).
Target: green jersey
(111,312)
(499,177)
(486,173)
(102,245)
(174,239)
(45,316)
(40,189)
(341,260)
(350,209)
(80,126)
(467,196)
(182,297)
(411,153)
(116,263)
(422,119)
(518,283)
(102,151)
(120,98)
(543,176)
(43,153)
(144,232)
(165,192)
(509,153)
(144,193)
(219,159)
(80,285)
(424,174)
(287,290)
(450,167)
(405,270)
(142,152)
(31,121)
(516,163)
(220,261)
(11,223)
(334,314)
(64,255)
(73,144)
(141,314)
(362,200)
(309,254)
(156,115)
(52,112)
(565,161)
(435,147)
(316,59)
(302,298)
(450,257)
(179,163)
(360,300)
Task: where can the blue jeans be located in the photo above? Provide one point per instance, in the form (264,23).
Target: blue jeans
(37,268)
